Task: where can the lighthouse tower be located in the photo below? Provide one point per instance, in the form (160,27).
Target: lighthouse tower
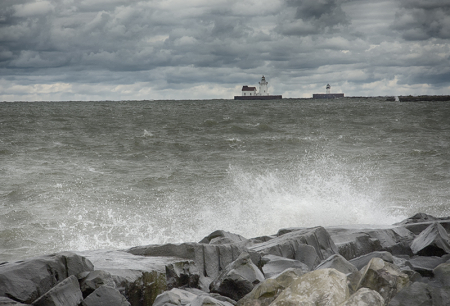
(263,87)
(328,89)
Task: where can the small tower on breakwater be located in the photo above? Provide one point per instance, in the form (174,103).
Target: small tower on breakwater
(328,94)
(263,87)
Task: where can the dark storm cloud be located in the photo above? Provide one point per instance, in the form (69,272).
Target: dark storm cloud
(422,20)
(313,17)
(166,48)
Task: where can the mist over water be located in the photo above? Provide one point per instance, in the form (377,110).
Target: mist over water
(91,175)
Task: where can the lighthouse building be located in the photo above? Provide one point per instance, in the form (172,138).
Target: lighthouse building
(250,93)
(263,87)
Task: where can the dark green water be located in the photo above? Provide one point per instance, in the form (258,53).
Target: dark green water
(90,175)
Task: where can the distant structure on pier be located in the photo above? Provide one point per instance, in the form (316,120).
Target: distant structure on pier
(250,93)
(328,94)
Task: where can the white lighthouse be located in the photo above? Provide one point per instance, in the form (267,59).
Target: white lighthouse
(328,89)
(263,87)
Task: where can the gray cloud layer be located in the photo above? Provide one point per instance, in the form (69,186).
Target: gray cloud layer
(174,49)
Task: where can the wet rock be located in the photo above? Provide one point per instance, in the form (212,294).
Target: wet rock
(320,287)
(65,293)
(274,265)
(433,241)
(309,246)
(183,273)
(383,277)
(339,263)
(364,297)
(25,281)
(105,296)
(238,278)
(425,265)
(89,281)
(421,294)
(355,242)
(267,291)
(222,237)
(209,259)
(442,274)
(418,218)
(140,279)
(363,260)
(4,301)
(203,300)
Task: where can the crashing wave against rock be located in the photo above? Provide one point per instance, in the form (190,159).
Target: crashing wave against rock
(404,264)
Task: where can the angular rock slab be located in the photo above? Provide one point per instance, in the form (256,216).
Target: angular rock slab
(89,281)
(309,246)
(433,241)
(65,293)
(238,278)
(266,292)
(425,265)
(140,279)
(209,259)
(362,261)
(274,265)
(383,277)
(364,297)
(25,281)
(321,287)
(105,296)
(339,263)
(222,237)
(353,242)
(4,301)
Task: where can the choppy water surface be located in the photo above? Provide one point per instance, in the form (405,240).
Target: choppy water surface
(90,175)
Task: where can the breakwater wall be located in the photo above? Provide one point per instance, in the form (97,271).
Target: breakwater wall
(403,264)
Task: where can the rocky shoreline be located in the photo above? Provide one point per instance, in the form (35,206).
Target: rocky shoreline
(407,263)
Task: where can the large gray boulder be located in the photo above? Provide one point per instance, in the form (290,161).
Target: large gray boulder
(421,221)
(356,241)
(238,278)
(139,278)
(319,288)
(174,297)
(362,261)
(433,241)
(105,296)
(267,291)
(442,274)
(274,265)
(209,259)
(425,265)
(421,294)
(65,293)
(89,281)
(383,277)
(223,237)
(309,246)
(25,281)
(364,297)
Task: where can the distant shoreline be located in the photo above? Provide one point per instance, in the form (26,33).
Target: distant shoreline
(409,98)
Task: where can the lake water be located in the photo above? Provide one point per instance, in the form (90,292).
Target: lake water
(96,175)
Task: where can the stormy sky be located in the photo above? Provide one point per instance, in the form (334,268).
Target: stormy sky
(58,50)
